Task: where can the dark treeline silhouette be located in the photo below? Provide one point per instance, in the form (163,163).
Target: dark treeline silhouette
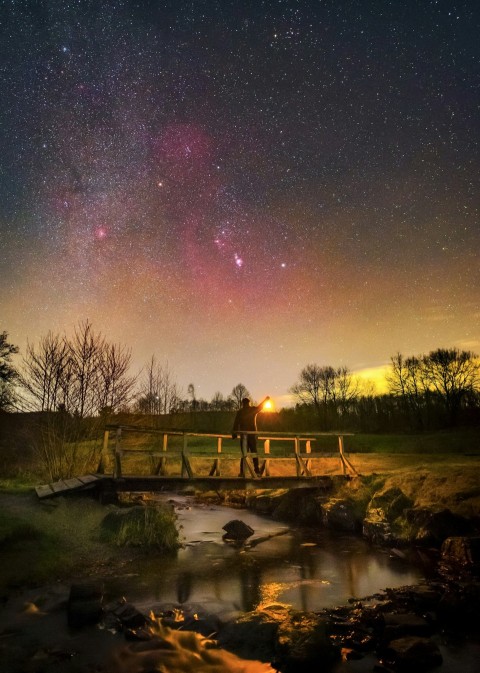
(85,376)
(426,392)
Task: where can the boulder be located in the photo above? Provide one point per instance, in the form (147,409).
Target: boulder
(303,644)
(384,512)
(392,501)
(376,528)
(411,654)
(237,530)
(461,551)
(432,528)
(404,624)
(340,514)
(252,636)
(85,604)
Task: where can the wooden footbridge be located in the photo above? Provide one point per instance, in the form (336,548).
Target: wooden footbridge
(137,458)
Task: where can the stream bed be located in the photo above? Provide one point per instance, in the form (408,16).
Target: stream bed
(305,568)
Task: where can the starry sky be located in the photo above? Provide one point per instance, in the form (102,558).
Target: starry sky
(242,187)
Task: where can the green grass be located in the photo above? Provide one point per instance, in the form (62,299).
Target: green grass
(29,555)
(459,441)
(152,526)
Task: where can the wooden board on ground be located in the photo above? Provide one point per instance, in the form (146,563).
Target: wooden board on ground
(62,486)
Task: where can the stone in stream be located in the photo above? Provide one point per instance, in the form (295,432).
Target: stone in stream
(412,654)
(237,530)
(461,551)
(85,604)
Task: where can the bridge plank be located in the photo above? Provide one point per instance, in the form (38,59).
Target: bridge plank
(59,486)
(88,478)
(73,483)
(44,490)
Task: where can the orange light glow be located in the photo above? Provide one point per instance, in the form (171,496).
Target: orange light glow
(268,406)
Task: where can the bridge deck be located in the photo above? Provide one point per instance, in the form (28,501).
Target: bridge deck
(158,484)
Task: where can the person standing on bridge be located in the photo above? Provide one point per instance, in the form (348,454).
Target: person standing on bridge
(246,419)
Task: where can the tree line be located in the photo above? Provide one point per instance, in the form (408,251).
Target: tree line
(426,392)
(85,376)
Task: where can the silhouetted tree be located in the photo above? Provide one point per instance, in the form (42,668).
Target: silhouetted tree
(116,384)
(158,389)
(452,375)
(8,373)
(46,373)
(406,380)
(237,395)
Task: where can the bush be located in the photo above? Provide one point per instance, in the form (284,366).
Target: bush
(151,526)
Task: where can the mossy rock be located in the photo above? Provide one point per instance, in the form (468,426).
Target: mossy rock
(392,501)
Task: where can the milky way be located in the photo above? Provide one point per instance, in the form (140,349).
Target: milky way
(242,188)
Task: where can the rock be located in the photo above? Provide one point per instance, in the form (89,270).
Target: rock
(392,501)
(411,654)
(303,644)
(302,505)
(237,530)
(404,624)
(85,605)
(432,528)
(461,551)
(377,529)
(130,617)
(340,514)
(458,606)
(253,635)
(383,516)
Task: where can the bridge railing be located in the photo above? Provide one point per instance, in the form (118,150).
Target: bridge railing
(159,458)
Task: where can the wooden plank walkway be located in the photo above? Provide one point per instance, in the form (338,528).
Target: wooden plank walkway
(158,484)
(67,485)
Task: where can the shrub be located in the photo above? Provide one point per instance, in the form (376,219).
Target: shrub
(151,526)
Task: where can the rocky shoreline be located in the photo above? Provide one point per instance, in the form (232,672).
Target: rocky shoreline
(73,630)
(395,630)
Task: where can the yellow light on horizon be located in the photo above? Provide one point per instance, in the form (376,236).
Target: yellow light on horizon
(268,405)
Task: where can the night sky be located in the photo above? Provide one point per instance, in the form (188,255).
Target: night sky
(242,187)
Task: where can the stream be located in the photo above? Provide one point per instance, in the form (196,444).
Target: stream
(305,568)
(214,580)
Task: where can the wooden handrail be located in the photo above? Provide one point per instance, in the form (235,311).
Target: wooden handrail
(302,459)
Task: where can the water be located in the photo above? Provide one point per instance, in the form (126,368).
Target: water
(304,568)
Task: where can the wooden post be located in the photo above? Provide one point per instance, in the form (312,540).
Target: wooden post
(308,462)
(103,454)
(117,474)
(342,457)
(186,467)
(243,449)
(346,464)
(266,448)
(215,469)
(161,466)
(297,457)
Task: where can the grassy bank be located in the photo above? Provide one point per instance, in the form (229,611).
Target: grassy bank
(63,538)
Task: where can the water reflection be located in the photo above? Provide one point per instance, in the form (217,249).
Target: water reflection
(304,568)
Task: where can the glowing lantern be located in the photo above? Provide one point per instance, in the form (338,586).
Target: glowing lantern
(268,406)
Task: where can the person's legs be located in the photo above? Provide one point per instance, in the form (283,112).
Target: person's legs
(252,448)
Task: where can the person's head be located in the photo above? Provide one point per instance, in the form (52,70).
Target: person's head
(245,402)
